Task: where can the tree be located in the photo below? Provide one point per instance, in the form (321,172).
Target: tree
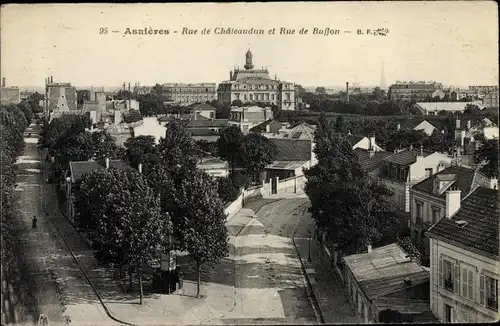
(103,146)
(132,116)
(339,124)
(72,147)
(488,153)
(438,142)
(208,147)
(82,96)
(178,150)
(34,102)
(237,103)
(227,189)
(320,90)
(59,127)
(141,149)
(199,225)
(258,151)
(130,228)
(229,144)
(405,138)
(352,209)
(158,89)
(151,104)
(472,109)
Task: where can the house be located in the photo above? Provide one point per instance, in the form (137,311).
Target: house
(400,171)
(9,95)
(387,278)
(76,171)
(371,161)
(214,166)
(358,141)
(202,109)
(465,260)
(206,129)
(433,108)
(293,155)
(428,199)
(268,128)
(150,126)
(246,117)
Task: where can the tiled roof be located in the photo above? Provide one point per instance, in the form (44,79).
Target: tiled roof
(202,132)
(215,123)
(446,106)
(463,178)
(406,157)
(292,149)
(202,107)
(480,234)
(383,270)
(285,165)
(79,168)
(370,163)
(261,127)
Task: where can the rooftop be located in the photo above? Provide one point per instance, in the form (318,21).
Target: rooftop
(79,168)
(201,107)
(463,178)
(480,233)
(202,132)
(253,108)
(285,165)
(370,161)
(405,157)
(446,106)
(292,149)
(384,270)
(261,127)
(209,123)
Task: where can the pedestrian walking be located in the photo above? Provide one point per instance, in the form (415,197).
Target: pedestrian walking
(34,222)
(180,275)
(43,320)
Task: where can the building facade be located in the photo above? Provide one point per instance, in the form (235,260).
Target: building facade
(187,94)
(9,95)
(465,260)
(413,90)
(254,85)
(490,100)
(247,117)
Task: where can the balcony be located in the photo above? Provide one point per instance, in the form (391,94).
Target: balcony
(492,303)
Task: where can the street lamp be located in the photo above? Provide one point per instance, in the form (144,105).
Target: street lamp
(309,250)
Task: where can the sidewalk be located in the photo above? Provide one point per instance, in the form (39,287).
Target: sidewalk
(329,292)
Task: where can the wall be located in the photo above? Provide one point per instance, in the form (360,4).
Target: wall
(417,169)
(490,132)
(439,296)
(150,127)
(10,95)
(234,207)
(425,127)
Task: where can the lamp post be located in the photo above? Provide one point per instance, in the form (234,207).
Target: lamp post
(309,247)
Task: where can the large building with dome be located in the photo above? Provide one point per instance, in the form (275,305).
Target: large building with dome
(254,85)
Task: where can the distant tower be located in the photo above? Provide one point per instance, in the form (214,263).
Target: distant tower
(383,84)
(249,64)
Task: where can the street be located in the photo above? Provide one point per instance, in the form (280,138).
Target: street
(48,277)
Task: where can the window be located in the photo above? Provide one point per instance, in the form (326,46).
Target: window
(272,97)
(237,96)
(428,173)
(288,96)
(436,214)
(488,292)
(251,97)
(467,284)
(245,97)
(418,210)
(402,202)
(449,276)
(211,115)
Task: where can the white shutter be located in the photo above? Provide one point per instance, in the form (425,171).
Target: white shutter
(456,280)
(481,289)
(440,277)
(471,285)
(464,283)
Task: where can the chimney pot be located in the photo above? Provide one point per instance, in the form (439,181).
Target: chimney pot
(468,124)
(107,162)
(457,124)
(453,197)
(139,167)
(399,126)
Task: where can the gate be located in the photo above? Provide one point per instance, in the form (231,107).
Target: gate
(274,186)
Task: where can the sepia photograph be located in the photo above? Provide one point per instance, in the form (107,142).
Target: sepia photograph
(272,163)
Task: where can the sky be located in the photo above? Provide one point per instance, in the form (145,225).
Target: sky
(453,42)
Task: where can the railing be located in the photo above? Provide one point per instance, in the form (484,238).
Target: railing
(492,303)
(448,285)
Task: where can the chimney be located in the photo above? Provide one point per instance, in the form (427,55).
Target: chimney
(421,150)
(268,128)
(440,167)
(372,143)
(91,127)
(3,82)
(107,162)
(129,87)
(452,201)
(347,91)
(398,127)
(369,248)
(411,147)
(349,133)
(139,167)
(494,183)
(457,124)
(462,138)
(468,124)
(51,79)
(124,86)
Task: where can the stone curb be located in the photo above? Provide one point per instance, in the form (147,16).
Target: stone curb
(308,276)
(108,312)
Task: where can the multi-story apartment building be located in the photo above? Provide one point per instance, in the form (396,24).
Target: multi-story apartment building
(465,259)
(483,89)
(419,91)
(254,85)
(60,96)
(428,199)
(9,95)
(490,100)
(187,94)
(246,117)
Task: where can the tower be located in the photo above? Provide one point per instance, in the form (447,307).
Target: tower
(248,61)
(383,84)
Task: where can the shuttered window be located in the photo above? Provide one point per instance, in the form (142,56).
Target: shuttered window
(441,276)
(468,284)
(456,285)
(481,290)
